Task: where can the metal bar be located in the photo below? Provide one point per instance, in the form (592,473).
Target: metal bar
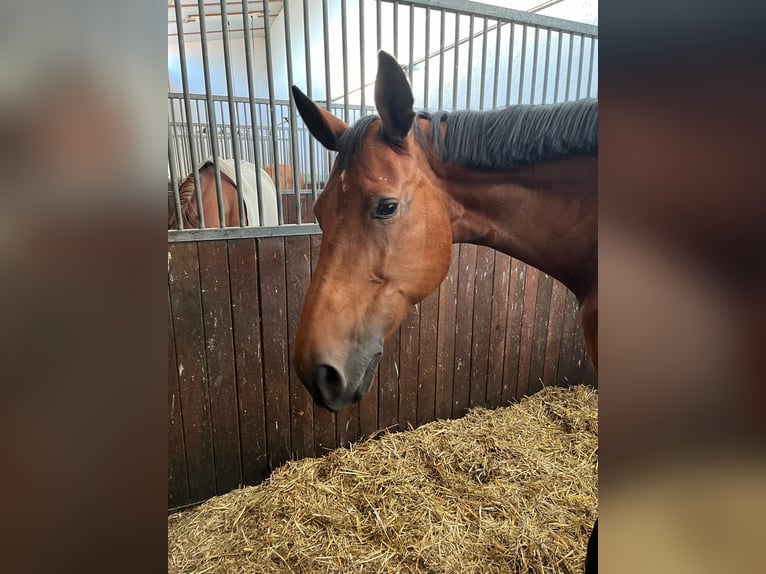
(456,70)
(211,117)
(569,66)
(534,67)
(232,111)
(287,230)
(501,13)
(582,62)
(174,181)
(441,61)
(307,46)
(412,41)
(187,106)
(547,61)
(558,68)
(174,124)
(396,31)
(523,62)
(344,43)
(327,40)
(497,65)
(254,123)
(483,65)
(293,128)
(469,76)
(428,58)
(361,53)
(272,109)
(509,83)
(590,66)
(378,23)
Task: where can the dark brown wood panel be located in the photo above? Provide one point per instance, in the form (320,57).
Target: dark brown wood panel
(178,485)
(271,254)
(513,330)
(527,330)
(539,335)
(185,302)
(445,351)
(408,375)
(429,317)
(248,357)
(219,350)
(569,331)
(324,420)
(463,329)
(368,410)
(388,383)
(553,337)
(298,268)
(481,330)
(499,319)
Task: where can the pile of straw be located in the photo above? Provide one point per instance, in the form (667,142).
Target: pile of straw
(505,490)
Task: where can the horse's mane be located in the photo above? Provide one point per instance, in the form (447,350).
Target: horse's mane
(503,139)
(509,138)
(189,213)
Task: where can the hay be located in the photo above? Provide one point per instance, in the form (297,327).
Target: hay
(505,490)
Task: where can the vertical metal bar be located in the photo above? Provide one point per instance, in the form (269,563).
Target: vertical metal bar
(232,110)
(509,83)
(428,56)
(558,67)
(582,62)
(569,66)
(378,23)
(590,65)
(523,62)
(272,107)
(456,70)
(411,64)
(211,115)
(396,31)
(547,61)
(187,106)
(174,125)
(469,76)
(441,61)
(174,180)
(325,28)
(534,67)
(344,43)
(307,46)
(483,64)
(254,123)
(497,64)
(361,54)
(292,128)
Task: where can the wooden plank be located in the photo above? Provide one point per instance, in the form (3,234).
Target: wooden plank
(271,258)
(569,331)
(482,325)
(429,316)
(324,420)
(178,482)
(408,364)
(498,322)
(540,332)
(347,425)
(463,329)
(513,330)
(248,356)
(445,345)
(388,383)
(555,324)
(368,409)
(298,260)
(186,306)
(527,330)
(219,352)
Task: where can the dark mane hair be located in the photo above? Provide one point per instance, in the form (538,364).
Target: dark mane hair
(189,213)
(509,138)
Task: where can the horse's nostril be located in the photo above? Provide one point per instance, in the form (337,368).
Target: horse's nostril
(329,381)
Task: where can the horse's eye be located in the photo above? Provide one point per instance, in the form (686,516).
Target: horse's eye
(386,210)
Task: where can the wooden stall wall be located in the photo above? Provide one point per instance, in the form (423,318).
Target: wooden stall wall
(494,331)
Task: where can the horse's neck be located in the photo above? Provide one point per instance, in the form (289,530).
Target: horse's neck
(544,215)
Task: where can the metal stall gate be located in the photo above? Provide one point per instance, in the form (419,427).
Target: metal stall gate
(236,407)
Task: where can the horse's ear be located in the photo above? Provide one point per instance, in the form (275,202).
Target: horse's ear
(393,98)
(324,126)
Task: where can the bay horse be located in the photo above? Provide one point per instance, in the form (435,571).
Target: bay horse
(405,187)
(190,213)
(286,181)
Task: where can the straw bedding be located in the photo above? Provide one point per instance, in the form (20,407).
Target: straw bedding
(506,490)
